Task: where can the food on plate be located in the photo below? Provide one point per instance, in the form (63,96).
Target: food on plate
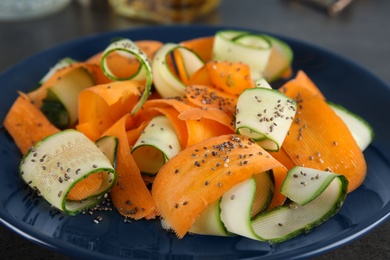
(194,133)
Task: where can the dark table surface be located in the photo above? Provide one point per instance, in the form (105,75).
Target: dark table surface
(360,33)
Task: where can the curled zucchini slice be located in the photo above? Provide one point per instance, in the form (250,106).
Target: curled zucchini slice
(265,115)
(58,162)
(157,144)
(361,130)
(314,195)
(126,47)
(165,81)
(267,56)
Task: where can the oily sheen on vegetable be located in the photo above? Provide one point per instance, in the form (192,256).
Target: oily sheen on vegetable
(191,133)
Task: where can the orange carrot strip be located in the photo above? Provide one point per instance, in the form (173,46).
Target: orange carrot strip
(230,77)
(94,127)
(27,124)
(203,46)
(204,96)
(319,139)
(303,80)
(278,198)
(180,67)
(200,175)
(129,195)
(134,133)
(287,73)
(179,105)
(203,124)
(122,67)
(97,73)
(212,113)
(102,105)
(86,187)
(284,158)
(200,77)
(199,130)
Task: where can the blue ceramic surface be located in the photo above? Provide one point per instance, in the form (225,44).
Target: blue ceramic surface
(341,80)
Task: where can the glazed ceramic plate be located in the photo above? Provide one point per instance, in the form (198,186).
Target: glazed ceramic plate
(342,81)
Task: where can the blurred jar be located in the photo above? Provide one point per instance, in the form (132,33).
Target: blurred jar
(13,10)
(164,11)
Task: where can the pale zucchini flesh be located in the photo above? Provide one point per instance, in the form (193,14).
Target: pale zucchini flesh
(236,207)
(58,162)
(287,221)
(314,197)
(280,59)
(360,129)
(55,111)
(59,65)
(265,189)
(209,222)
(265,115)
(217,219)
(241,46)
(108,145)
(262,83)
(244,202)
(156,145)
(61,103)
(267,56)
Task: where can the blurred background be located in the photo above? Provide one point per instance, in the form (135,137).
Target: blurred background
(355,29)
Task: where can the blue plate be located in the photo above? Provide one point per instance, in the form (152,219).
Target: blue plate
(341,80)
